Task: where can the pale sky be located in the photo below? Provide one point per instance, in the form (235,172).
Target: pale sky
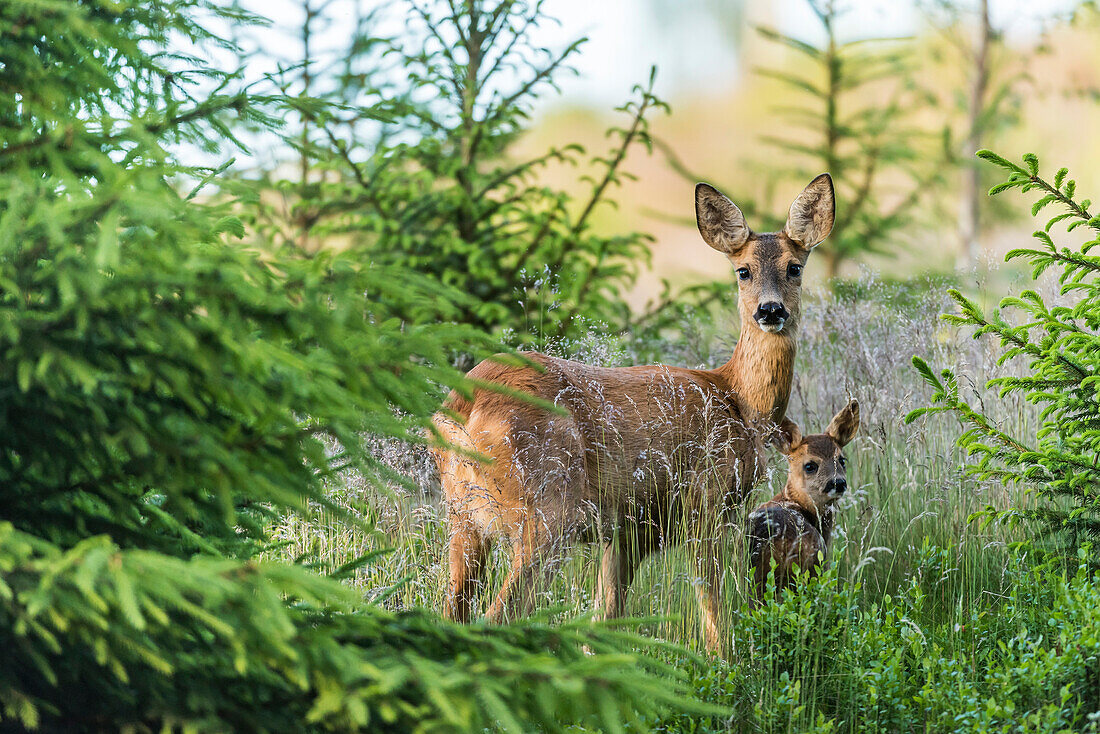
(681,37)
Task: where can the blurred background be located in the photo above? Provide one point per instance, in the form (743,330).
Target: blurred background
(917,87)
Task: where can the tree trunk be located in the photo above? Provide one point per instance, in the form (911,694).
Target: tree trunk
(972,194)
(832,263)
(310,14)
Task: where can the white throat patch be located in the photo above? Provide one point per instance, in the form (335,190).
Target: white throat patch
(771,328)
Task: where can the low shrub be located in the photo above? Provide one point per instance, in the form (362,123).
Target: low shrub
(816,660)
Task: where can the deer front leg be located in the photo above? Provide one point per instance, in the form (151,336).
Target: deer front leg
(708,589)
(466,554)
(535,549)
(706,514)
(618,565)
(611,583)
(512,600)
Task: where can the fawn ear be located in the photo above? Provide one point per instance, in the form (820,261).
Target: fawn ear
(787,436)
(720,221)
(810,219)
(845,424)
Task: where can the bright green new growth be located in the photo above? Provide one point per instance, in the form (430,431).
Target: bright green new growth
(104,638)
(1061,349)
(168,392)
(823,661)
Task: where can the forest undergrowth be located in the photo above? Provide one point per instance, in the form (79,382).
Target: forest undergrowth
(927,617)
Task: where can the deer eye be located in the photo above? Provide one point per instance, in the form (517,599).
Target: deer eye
(794,270)
(843,461)
(809,467)
(743,274)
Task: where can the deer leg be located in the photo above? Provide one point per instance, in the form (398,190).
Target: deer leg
(466,555)
(621,557)
(516,596)
(708,590)
(616,573)
(706,535)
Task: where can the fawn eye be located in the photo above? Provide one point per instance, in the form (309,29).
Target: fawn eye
(743,274)
(794,270)
(809,467)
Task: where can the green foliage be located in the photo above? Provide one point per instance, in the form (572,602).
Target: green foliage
(104,638)
(1059,345)
(165,386)
(420,168)
(169,391)
(818,661)
(899,292)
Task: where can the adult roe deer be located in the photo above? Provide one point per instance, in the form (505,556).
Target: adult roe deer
(644,456)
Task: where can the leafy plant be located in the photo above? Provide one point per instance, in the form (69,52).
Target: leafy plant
(1060,347)
(818,661)
(166,386)
(168,392)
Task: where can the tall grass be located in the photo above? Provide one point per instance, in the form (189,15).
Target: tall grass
(910,493)
(909,498)
(923,620)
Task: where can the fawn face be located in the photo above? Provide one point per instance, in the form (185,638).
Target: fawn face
(818,473)
(768,266)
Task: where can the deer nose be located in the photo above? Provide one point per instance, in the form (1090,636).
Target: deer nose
(771,312)
(836,486)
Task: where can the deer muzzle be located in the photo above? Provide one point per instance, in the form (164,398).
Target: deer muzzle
(771,316)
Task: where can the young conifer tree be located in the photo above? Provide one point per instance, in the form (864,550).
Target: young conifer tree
(416,162)
(1060,349)
(990,77)
(849,105)
(165,393)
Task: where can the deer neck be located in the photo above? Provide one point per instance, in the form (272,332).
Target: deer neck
(760,371)
(821,518)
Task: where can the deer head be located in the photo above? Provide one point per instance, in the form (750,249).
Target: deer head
(768,266)
(818,474)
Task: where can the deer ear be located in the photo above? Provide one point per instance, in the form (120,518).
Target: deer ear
(787,436)
(845,424)
(810,219)
(720,221)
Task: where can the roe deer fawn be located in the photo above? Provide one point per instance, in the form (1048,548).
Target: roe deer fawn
(795,526)
(644,457)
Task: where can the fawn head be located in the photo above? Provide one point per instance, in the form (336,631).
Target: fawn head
(818,474)
(768,266)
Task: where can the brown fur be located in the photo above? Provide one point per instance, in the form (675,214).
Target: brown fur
(644,457)
(793,529)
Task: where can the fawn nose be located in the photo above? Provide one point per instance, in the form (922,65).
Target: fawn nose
(771,313)
(836,486)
